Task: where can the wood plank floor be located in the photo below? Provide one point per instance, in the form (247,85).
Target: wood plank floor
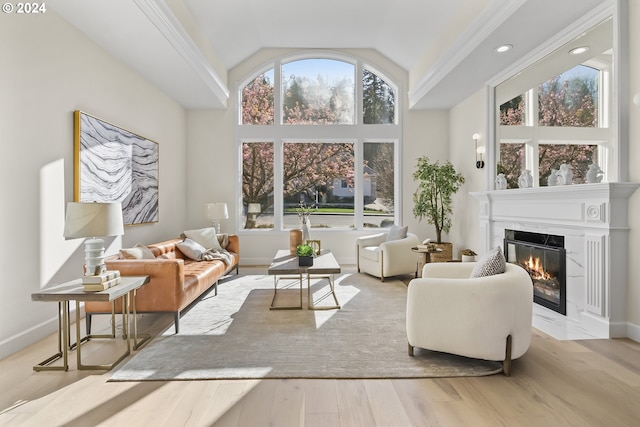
(556,383)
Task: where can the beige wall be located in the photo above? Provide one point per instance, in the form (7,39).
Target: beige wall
(49,70)
(466,119)
(633,296)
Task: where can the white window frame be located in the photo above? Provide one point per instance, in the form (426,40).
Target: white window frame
(533,135)
(358,133)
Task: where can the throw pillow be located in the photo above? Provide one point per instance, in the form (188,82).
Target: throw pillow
(138,252)
(396,232)
(204,236)
(491,263)
(191,249)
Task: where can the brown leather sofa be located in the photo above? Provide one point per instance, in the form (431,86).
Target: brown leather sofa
(176,281)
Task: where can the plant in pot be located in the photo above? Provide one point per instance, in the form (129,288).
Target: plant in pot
(437,183)
(305,255)
(468,255)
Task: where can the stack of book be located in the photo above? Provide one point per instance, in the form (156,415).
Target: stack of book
(102,281)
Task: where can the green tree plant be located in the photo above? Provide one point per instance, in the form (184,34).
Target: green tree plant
(437,183)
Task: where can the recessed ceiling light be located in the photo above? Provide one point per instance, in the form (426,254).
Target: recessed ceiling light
(504,48)
(578,50)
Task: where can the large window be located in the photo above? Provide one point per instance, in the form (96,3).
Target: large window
(311,132)
(558,121)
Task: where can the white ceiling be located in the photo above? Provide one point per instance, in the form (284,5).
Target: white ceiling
(445,45)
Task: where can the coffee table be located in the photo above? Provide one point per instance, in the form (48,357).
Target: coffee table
(285,267)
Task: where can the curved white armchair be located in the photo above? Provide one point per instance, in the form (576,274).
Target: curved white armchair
(382,259)
(484,318)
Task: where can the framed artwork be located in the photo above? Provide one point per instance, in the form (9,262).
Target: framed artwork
(114,165)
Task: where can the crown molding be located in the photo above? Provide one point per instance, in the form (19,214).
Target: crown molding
(165,21)
(486,23)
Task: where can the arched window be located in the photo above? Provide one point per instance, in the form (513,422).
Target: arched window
(321,132)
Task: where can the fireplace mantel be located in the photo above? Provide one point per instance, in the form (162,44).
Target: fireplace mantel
(594,220)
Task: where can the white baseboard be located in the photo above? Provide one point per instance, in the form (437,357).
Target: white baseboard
(34,334)
(633,331)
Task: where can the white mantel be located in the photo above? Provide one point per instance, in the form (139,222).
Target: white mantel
(593,218)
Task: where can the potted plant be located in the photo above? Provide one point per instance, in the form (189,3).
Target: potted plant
(305,255)
(468,255)
(437,183)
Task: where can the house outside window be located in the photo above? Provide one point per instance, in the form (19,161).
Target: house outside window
(323,132)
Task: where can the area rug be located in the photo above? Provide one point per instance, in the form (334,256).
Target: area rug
(235,335)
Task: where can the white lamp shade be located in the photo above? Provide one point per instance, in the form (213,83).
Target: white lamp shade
(476,136)
(217,211)
(481,149)
(253,208)
(93,220)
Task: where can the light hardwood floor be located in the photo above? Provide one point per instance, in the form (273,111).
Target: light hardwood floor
(556,383)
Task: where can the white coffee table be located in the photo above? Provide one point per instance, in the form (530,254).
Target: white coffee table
(285,266)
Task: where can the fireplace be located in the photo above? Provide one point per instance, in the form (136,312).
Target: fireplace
(543,256)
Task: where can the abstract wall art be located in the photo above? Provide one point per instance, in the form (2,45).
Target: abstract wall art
(114,165)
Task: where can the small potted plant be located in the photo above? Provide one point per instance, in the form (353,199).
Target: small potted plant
(305,255)
(468,255)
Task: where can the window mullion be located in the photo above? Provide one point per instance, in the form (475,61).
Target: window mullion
(278,175)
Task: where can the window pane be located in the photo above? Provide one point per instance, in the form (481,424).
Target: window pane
(512,162)
(318,91)
(257,184)
(379,184)
(579,157)
(314,173)
(512,113)
(570,99)
(378,100)
(257,100)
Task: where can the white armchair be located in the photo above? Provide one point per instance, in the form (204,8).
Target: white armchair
(382,259)
(484,318)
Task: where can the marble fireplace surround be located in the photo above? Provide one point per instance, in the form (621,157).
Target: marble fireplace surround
(593,218)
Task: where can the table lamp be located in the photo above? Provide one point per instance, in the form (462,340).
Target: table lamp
(216,212)
(91,221)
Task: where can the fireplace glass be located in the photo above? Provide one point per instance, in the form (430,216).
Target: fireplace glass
(543,257)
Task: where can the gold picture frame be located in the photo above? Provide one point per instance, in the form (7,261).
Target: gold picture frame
(315,244)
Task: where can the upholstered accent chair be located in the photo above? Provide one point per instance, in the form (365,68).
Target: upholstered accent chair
(380,257)
(483,317)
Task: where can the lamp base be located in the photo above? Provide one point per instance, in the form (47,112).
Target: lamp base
(94,257)
(216,225)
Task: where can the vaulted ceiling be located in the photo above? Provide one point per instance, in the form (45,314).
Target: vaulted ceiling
(186,47)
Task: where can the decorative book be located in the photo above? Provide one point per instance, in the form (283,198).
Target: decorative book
(101,278)
(96,287)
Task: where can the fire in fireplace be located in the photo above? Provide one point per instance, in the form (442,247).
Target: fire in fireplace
(543,256)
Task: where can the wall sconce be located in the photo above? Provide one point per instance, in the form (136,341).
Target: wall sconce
(479,151)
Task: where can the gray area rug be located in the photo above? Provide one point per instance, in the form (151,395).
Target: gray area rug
(235,336)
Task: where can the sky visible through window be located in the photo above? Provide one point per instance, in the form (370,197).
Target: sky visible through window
(330,69)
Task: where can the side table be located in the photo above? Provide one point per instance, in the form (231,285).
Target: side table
(74,291)
(425,257)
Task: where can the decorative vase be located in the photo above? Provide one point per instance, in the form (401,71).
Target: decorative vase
(305,261)
(468,258)
(305,230)
(295,239)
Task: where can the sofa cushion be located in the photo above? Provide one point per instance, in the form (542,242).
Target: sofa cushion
(191,249)
(204,236)
(396,232)
(491,263)
(371,252)
(138,252)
